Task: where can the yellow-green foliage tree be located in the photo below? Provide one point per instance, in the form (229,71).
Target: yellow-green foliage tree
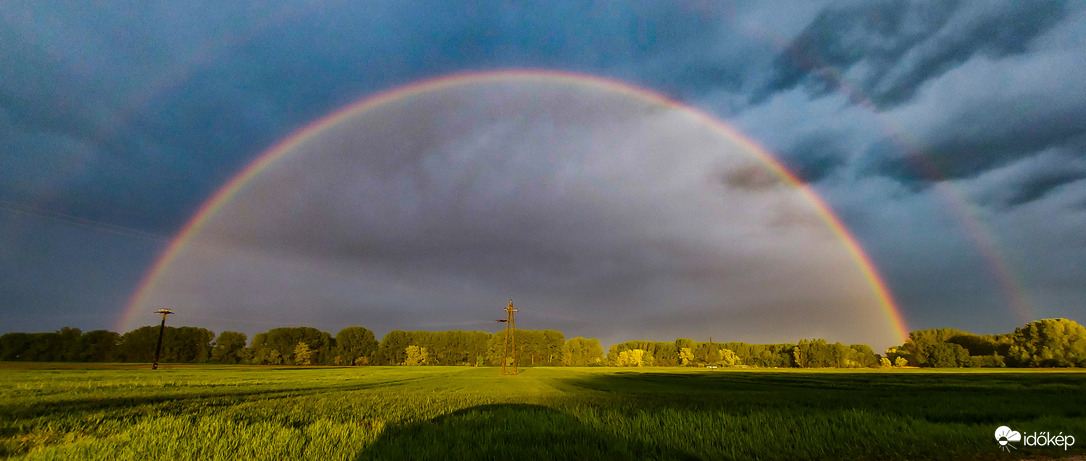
(632,358)
(415,355)
(302,354)
(894,353)
(1049,343)
(1043,343)
(686,357)
(728,358)
(664,354)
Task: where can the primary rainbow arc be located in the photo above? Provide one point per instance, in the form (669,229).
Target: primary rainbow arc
(277,152)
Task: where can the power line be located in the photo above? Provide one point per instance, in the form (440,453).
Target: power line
(76,221)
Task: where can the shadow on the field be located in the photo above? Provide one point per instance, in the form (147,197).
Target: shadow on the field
(509,431)
(967,398)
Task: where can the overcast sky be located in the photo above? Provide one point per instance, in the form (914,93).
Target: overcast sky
(949,137)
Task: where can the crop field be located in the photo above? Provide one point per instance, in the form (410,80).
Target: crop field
(123,412)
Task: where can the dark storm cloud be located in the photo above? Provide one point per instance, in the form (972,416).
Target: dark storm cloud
(133,117)
(1037,187)
(816,156)
(1007,135)
(1031,179)
(158,108)
(960,128)
(154,115)
(88,119)
(895,47)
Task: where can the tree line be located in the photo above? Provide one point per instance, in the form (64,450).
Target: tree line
(689,353)
(300,346)
(1043,343)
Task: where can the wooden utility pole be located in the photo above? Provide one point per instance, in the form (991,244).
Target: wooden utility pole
(510,339)
(161,329)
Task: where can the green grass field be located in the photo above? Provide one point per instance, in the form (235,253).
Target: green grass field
(237,412)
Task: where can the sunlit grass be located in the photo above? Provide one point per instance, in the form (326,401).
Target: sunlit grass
(242,412)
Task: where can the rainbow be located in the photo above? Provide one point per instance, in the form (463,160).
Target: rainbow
(277,152)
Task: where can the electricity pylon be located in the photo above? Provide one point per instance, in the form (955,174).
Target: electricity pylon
(510,340)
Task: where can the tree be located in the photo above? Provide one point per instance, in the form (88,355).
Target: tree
(553,344)
(187,345)
(988,361)
(284,340)
(391,350)
(884,362)
(66,345)
(632,358)
(139,345)
(1049,343)
(18,346)
(267,356)
(917,349)
(99,346)
(821,354)
(686,357)
(944,355)
(895,353)
(629,358)
(356,345)
(179,344)
(302,354)
(414,356)
(228,347)
(728,358)
(862,356)
(538,347)
(716,356)
(580,352)
(533,347)
(647,359)
(613,354)
(801,353)
(901,362)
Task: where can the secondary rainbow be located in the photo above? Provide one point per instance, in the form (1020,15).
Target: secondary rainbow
(984,239)
(223,196)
